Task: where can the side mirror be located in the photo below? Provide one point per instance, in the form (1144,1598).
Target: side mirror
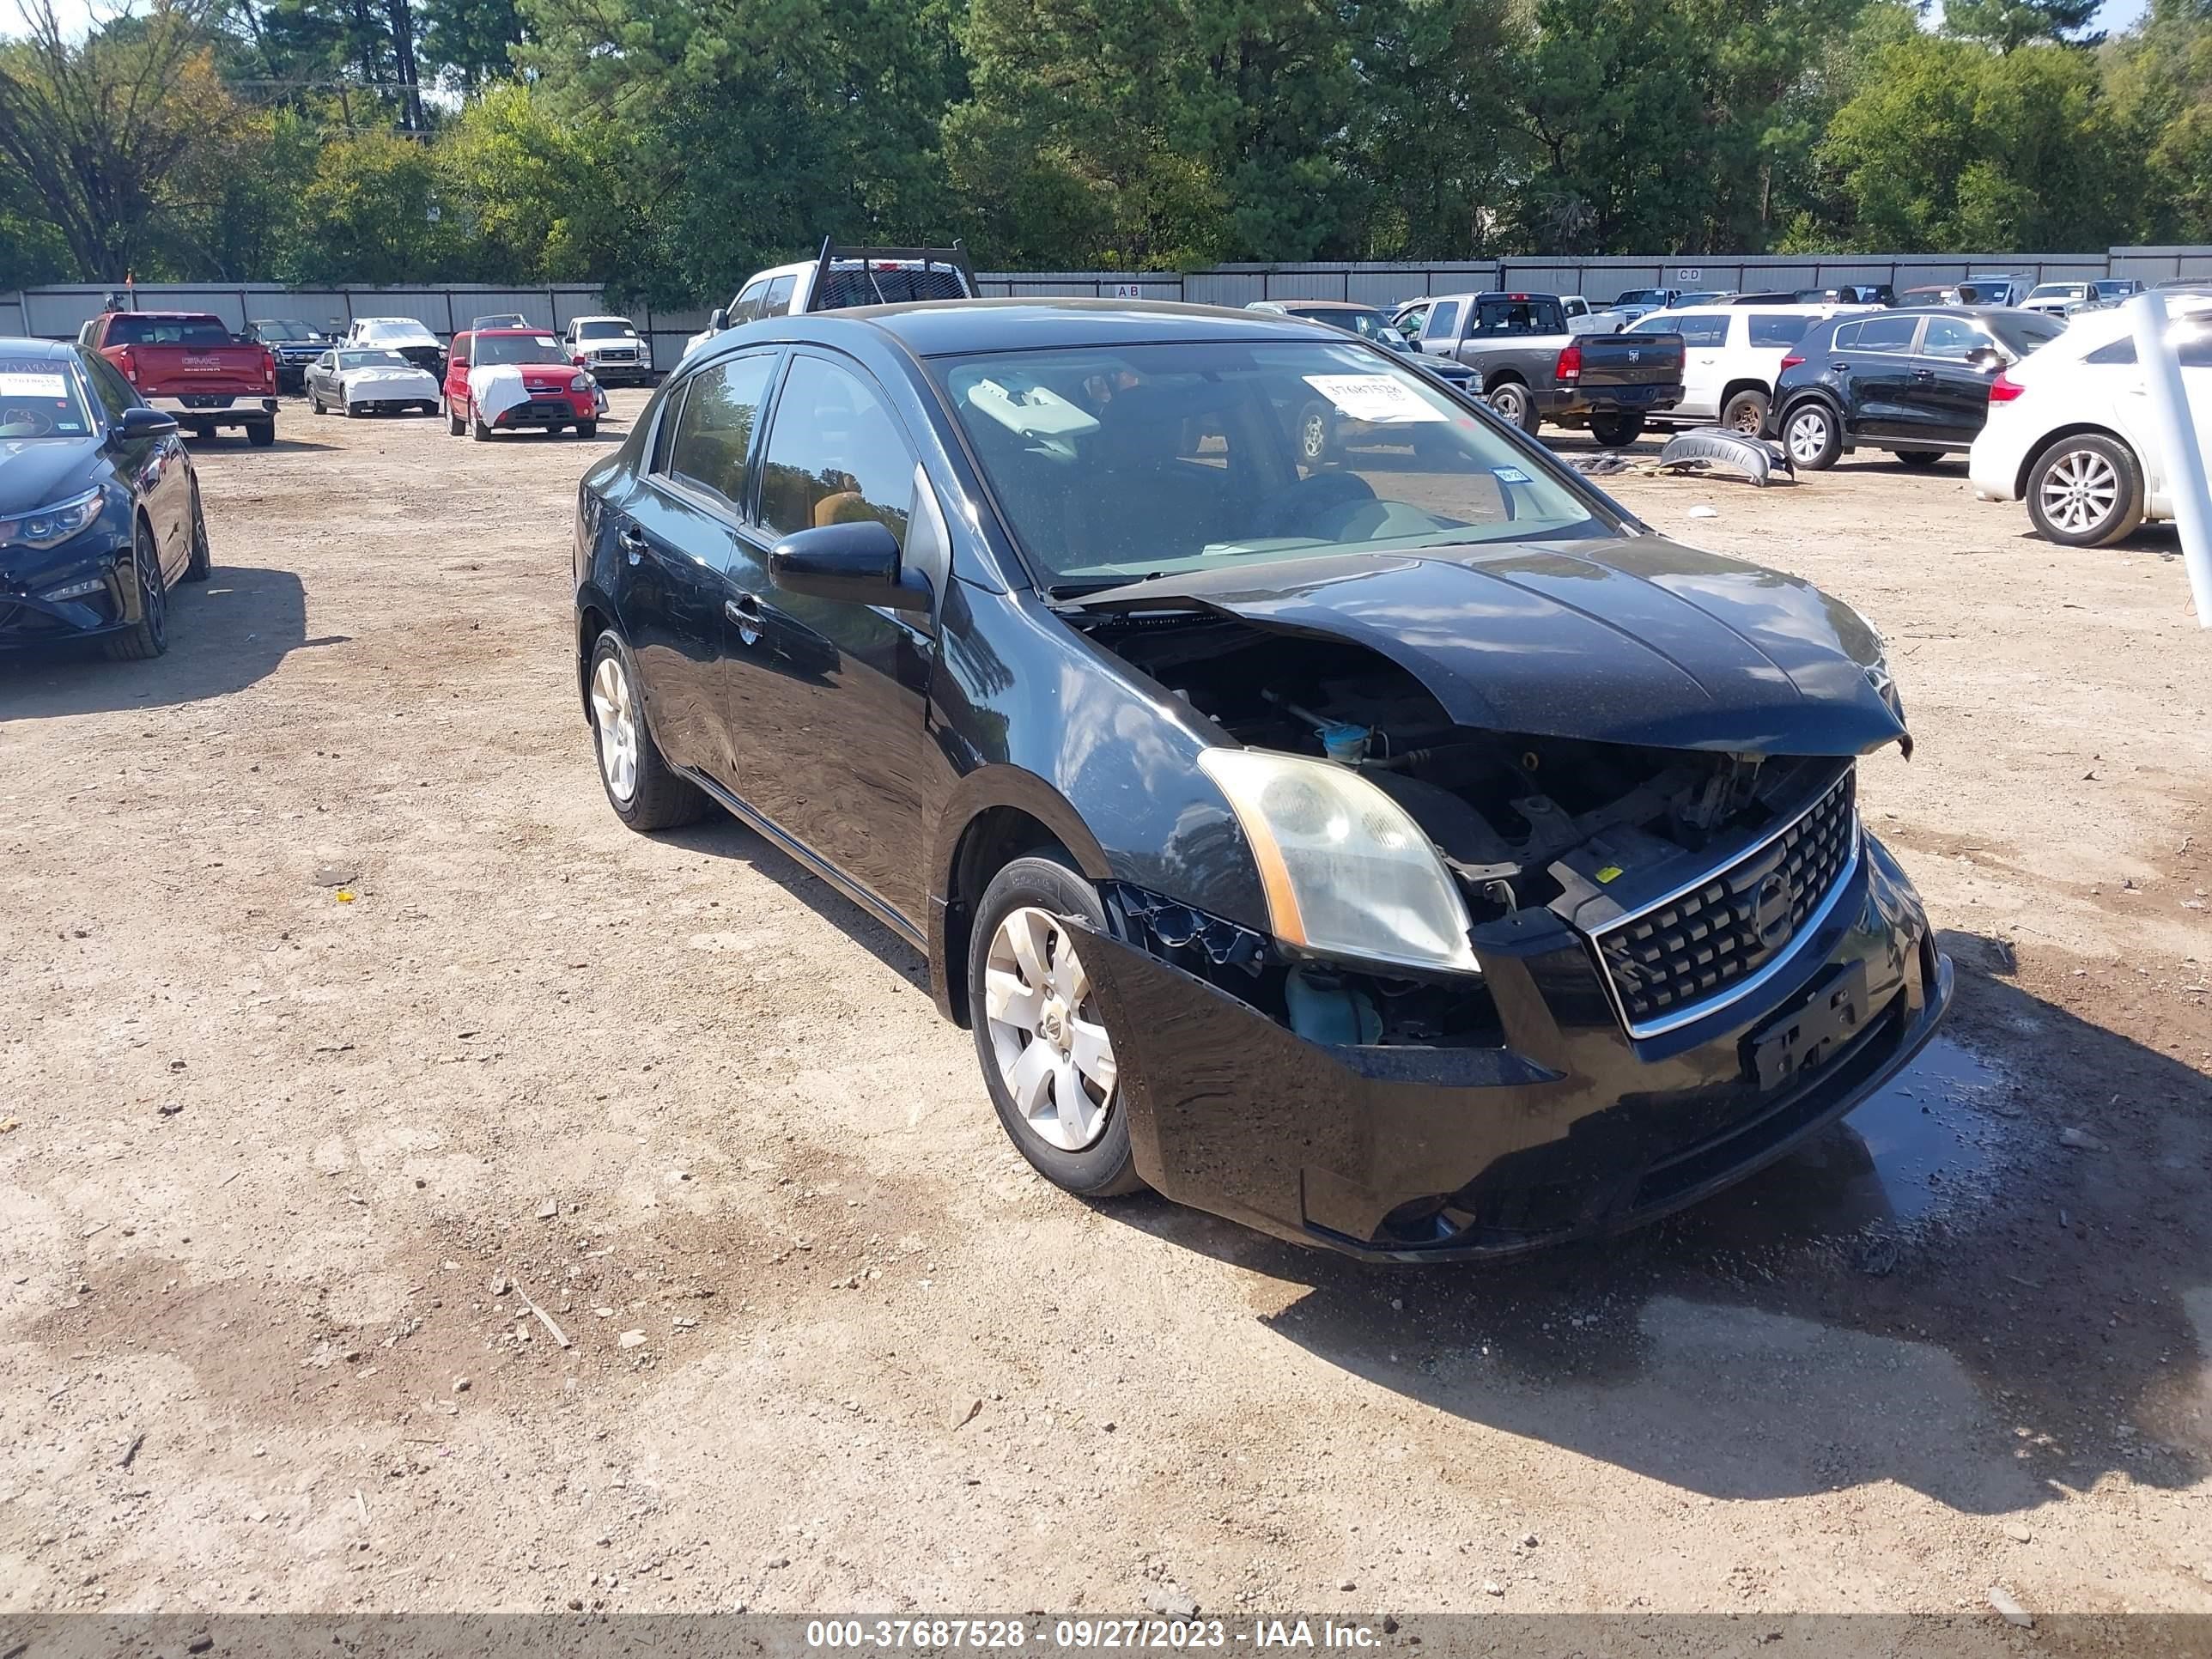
(856,562)
(1988,359)
(139,423)
(718,319)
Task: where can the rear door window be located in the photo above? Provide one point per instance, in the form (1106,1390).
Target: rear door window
(1779,331)
(713,438)
(1699,333)
(777,302)
(1951,338)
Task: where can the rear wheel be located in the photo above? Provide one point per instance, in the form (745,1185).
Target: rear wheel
(646,793)
(1745,412)
(1617,428)
(1515,403)
(2085,490)
(1813,435)
(1047,1055)
(261,433)
(149,635)
(1922,458)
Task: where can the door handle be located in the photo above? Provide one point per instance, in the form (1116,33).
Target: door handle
(1839,368)
(631,540)
(745,610)
(1923,373)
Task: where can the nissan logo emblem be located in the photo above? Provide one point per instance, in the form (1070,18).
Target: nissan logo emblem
(1769,913)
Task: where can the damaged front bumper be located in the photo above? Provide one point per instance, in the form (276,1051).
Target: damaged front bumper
(1571,1127)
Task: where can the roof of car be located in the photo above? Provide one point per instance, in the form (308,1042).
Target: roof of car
(196,316)
(942,327)
(1324,305)
(22,345)
(595,317)
(509,333)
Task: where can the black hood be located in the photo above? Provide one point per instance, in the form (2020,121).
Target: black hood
(1631,640)
(37,472)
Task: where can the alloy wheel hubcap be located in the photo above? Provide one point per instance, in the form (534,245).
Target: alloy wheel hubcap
(1052,1050)
(2081,490)
(615,715)
(1314,436)
(1808,435)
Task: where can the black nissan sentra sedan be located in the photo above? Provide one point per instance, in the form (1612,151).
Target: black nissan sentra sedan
(100,511)
(1405,851)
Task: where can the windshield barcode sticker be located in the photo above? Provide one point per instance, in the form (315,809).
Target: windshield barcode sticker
(1509,475)
(1376,398)
(33,386)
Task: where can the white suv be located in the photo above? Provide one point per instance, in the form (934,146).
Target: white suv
(2070,430)
(611,348)
(838,277)
(1731,355)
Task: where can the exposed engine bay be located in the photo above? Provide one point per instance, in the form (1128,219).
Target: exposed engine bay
(1587,829)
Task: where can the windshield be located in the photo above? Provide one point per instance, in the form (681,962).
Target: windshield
(605,331)
(2059,291)
(284,331)
(39,399)
(407,331)
(1643,296)
(517,349)
(1117,463)
(129,329)
(1368,324)
(373,360)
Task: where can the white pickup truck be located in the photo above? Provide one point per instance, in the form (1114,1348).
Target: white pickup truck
(1731,357)
(838,277)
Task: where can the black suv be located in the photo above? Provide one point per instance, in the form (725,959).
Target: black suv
(1915,382)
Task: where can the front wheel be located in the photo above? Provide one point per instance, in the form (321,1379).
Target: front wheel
(1047,1055)
(2086,491)
(149,635)
(587,428)
(477,429)
(1515,405)
(1813,435)
(645,791)
(1617,428)
(200,564)
(454,423)
(314,401)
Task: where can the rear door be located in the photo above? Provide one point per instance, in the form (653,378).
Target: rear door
(826,700)
(688,565)
(1948,397)
(1704,342)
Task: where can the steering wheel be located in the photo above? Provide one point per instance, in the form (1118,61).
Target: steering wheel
(1294,511)
(25,421)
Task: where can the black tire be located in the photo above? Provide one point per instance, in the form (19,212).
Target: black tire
(1921,458)
(477,429)
(202,563)
(261,433)
(2083,458)
(1745,412)
(199,429)
(1515,403)
(1316,433)
(149,635)
(428,409)
(587,428)
(1617,428)
(1813,433)
(1043,881)
(314,401)
(658,798)
(454,423)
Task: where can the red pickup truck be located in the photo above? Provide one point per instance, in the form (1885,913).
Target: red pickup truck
(187,364)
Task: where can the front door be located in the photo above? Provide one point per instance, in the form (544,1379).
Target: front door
(1878,352)
(686,564)
(827,700)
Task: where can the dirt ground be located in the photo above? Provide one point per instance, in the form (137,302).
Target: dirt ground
(286,1181)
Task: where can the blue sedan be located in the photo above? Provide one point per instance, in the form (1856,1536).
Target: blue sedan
(100,509)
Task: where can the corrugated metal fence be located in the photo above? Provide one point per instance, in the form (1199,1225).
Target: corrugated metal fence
(57,313)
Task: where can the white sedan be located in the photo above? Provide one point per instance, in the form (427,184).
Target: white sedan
(367,381)
(2070,431)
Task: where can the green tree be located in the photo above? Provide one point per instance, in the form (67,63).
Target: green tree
(371,213)
(2160,79)
(2008,24)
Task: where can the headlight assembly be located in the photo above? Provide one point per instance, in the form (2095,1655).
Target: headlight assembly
(1346,871)
(582,382)
(50,527)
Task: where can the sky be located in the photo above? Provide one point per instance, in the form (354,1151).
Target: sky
(75,14)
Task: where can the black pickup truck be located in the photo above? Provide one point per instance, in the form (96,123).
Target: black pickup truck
(1533,370)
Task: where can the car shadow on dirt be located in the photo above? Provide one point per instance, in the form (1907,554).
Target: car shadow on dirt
(224,634)
(1934,1293)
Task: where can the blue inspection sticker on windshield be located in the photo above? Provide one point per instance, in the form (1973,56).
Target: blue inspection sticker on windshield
(1510,475)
